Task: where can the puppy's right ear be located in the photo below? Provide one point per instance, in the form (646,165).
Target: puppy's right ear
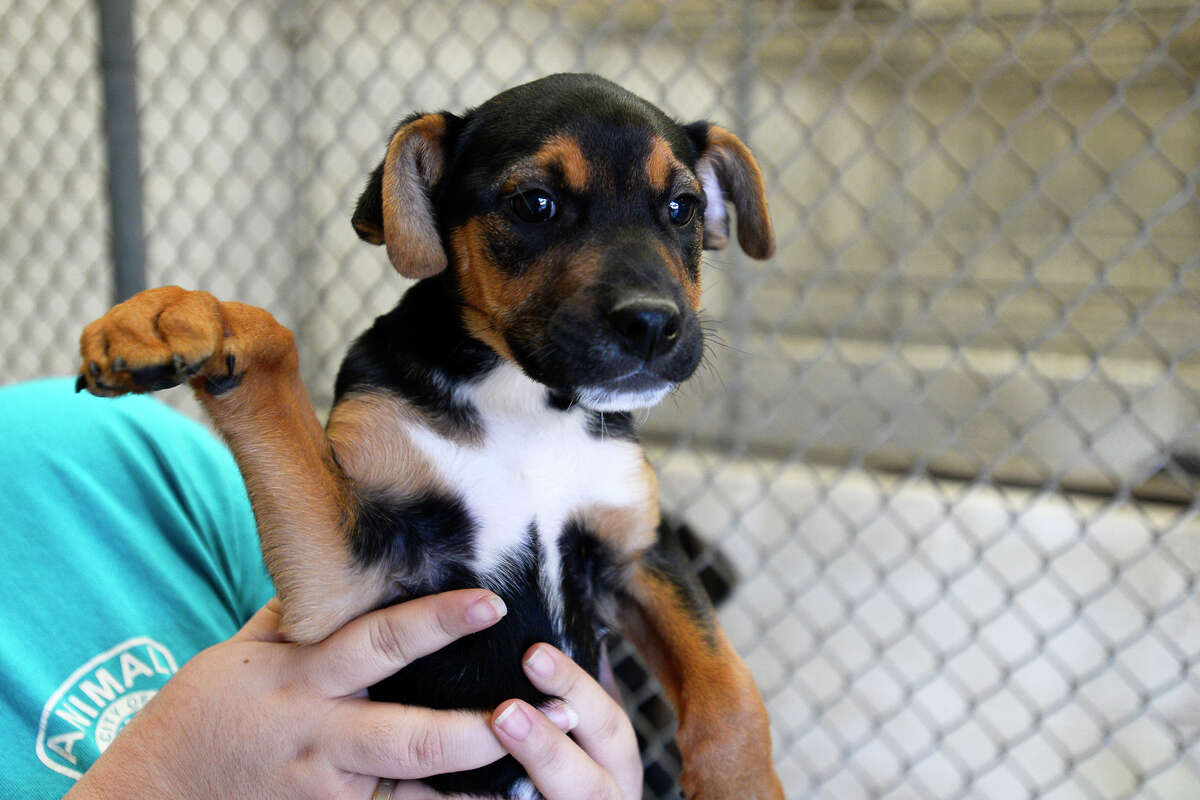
(727,169)
(396,208)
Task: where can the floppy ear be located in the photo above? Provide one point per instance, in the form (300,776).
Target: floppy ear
(728,171)
(396,208)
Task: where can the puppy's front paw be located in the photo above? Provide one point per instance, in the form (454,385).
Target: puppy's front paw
(157,339)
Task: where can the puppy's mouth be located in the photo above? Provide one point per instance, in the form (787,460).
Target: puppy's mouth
(607,362)
(637,389)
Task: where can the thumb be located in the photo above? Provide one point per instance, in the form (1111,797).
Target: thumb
(263,626)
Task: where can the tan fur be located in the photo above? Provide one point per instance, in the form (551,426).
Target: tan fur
(413,165)
(627,530)
(300,502)
(299,496)
(369,433)
(491,299)
(563,152)
(140,342)
(662,166)
(586,266)
(711,689)
(479,325)
(691,284)
(738,173)
(302,479)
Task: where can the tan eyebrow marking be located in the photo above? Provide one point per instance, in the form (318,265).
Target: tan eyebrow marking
(666,174)
(563,151)
(661,165)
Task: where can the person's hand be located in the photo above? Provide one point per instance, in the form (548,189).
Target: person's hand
(602,759)
(257,717)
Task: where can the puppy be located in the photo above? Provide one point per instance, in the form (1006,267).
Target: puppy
(480,433)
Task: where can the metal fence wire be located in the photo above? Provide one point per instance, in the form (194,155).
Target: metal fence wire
(948,451)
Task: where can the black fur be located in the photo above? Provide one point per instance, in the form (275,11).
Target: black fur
(572,345)
(420,351)
(612,425)
(600,424)
(614,129)
(669,562)
(426,538)
(560,400)
(482,670)
(590,577)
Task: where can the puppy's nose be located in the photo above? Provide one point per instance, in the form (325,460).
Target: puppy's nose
(646,327)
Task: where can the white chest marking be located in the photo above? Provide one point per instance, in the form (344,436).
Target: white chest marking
(536,465)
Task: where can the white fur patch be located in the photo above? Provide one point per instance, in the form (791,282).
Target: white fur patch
(714,212)
(599,399)
(525,790)
(535,464)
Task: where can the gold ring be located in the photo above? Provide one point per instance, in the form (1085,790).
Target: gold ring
(384,789)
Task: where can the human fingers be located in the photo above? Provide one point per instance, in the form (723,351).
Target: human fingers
(603,730)
(381,643)
(389,740)
(555,763)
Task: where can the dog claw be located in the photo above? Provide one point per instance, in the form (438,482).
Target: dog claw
(219,386)
(80,383)
(94,369)
(118,364)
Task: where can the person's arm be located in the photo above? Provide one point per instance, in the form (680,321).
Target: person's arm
(259,717)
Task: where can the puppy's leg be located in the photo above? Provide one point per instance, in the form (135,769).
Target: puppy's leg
(243,367)
(724,734)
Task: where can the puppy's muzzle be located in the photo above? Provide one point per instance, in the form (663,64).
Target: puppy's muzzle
(645,327)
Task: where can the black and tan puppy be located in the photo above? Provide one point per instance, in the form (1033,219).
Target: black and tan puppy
(480,434)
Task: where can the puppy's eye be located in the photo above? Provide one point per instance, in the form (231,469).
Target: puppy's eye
(681,210)
(533,206)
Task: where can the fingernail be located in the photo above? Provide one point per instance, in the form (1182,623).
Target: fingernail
(486,610)
(562,715)
(515,722)
(540,662)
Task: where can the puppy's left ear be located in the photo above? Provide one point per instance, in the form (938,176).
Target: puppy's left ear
(727,170)
(396,208)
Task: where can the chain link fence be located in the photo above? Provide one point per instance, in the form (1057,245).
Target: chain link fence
(948,441)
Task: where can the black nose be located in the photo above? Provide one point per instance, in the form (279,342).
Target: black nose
(646,327)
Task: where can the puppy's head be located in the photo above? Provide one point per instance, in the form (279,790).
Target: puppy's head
(571,215)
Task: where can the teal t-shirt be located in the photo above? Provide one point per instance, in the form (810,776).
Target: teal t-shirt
(127,545)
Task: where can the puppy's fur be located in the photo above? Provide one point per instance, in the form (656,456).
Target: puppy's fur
(481,434)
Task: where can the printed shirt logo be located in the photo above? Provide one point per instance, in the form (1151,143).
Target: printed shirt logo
(90,708)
